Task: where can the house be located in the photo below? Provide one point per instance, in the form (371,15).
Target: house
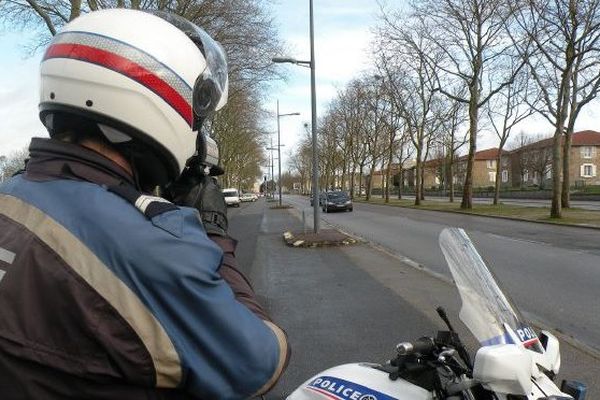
(531,165)
(484,168)
(484,171)
(379,175)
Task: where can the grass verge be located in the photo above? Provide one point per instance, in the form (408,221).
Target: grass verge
(571,216)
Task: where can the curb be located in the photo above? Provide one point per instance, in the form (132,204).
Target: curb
(593,227)
(292,241)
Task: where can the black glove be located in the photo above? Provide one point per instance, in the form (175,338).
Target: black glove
(204,194)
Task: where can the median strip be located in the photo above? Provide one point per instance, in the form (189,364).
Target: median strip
(571,216)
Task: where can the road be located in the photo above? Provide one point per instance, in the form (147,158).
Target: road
(349,304)
(586,205)
(552,272)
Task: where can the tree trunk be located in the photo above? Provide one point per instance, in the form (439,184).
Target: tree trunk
(387,184)
(467,199)
(418,178)
(566,183)
(360,176)
(555,211)
(352,176)
(497,183)
(400,179)
(451,180)
(370,182)
(422,181)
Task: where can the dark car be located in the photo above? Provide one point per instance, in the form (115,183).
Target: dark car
(334,201)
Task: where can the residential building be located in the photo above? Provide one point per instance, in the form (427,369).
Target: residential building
(531,165)
(434,171)
(484,168)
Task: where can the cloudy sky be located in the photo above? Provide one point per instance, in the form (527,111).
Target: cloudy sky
(343,36)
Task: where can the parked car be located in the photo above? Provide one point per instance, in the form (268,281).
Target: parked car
(244,197)
(232,197)
(333,201)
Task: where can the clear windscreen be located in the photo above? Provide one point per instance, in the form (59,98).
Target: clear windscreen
(486,310)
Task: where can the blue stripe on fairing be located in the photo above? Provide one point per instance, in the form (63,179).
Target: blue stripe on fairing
(502,339)
(226,351)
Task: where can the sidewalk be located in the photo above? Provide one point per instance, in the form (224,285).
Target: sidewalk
(355,303)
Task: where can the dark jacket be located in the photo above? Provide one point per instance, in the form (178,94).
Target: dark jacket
(101,301)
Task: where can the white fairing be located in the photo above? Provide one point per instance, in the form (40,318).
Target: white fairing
(504,368)
(357,382)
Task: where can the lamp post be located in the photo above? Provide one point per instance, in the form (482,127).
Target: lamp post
(272,165)
(279,145)
(310,64)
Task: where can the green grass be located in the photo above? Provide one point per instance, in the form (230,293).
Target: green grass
(573,216)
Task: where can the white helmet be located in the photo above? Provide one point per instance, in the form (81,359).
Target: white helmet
(145,81)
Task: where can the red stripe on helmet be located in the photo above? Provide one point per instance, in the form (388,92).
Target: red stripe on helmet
(125,67)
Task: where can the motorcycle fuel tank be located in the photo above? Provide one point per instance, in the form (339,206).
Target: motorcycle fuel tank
(357,382)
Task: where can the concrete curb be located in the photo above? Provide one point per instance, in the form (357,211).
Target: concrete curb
(485,215)
(295,241)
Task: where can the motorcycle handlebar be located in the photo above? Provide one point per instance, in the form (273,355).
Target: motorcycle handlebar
(424,345)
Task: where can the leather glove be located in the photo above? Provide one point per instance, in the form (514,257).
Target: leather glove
(204,194)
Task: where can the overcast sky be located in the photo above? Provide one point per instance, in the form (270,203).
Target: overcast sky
(343,37)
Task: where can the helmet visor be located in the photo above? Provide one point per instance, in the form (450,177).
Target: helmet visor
(211,86)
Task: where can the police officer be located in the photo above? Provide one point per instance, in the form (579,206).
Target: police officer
(107,292)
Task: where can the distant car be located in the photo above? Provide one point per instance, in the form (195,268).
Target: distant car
(232,197)
(244,197)
(334,201)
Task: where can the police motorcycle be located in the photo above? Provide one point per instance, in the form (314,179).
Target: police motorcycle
(513,362)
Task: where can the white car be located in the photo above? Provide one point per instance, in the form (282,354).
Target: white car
(248,197)
(232,197)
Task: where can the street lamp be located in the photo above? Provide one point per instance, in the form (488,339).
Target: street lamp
(279,145)
(311,64)
(272,165)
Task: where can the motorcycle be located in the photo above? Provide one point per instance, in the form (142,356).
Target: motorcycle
(513,362)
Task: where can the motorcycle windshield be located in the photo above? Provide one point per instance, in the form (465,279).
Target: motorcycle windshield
(486,310)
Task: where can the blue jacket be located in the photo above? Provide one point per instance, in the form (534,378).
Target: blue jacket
(119,298)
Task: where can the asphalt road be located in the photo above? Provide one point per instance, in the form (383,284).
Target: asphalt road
(350,304)
(552,272)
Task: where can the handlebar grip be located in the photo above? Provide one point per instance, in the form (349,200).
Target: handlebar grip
(424,345)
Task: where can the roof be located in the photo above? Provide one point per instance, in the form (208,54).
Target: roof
(487,154)
(580,138)
(586,138)
(482,155)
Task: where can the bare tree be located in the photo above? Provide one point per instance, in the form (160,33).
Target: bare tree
(471,34)
(454,136)
(13,163)
(506,110)
(356,114)
(403,154)
(564,35)
(412,80)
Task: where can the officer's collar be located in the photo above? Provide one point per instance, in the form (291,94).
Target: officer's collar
(54,159)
